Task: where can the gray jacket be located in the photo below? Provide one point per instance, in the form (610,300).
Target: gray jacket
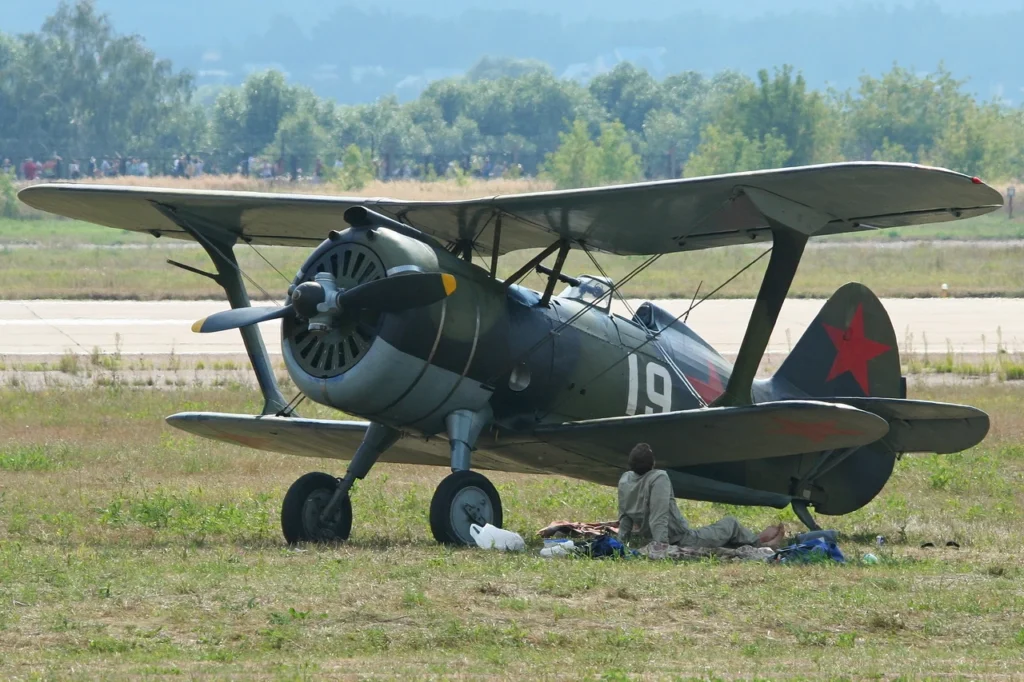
(647,508)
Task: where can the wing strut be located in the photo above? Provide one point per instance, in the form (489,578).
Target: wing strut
(531,264)
(555,272)
(219,246)
(496,247)
(787,249)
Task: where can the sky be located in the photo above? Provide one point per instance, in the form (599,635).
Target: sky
(137,16)
(358,50)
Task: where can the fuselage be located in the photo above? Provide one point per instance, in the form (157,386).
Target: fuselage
(490,345)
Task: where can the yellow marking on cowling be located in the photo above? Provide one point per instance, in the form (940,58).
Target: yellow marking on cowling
(197,326)
(449,283)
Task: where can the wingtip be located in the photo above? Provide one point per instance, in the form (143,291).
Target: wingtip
(197,326)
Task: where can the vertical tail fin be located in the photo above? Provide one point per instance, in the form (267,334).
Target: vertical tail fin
(849,350)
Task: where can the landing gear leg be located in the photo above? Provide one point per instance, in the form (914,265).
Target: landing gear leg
(465,497)
(317,507)
(802,513)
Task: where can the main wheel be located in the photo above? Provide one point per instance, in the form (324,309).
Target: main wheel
(305,500)
(462,499)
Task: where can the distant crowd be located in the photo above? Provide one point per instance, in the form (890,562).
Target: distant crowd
(56,168)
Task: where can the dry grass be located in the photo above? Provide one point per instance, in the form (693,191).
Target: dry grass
(438,190)
(130,549)
(413,190)
(141,272)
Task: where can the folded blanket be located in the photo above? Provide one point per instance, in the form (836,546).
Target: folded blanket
(661,550)
(570,529)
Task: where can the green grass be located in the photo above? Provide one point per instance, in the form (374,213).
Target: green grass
(130,549)
(82,261)
(991,226)
(142,273)
(49,231)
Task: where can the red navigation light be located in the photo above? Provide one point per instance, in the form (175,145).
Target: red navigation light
(976,180)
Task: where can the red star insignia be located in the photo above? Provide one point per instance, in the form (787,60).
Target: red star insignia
(812,431)
(853,350)
(708,390)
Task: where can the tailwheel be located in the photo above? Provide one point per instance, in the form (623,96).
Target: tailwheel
(462,499)
(804,514)
(303,507)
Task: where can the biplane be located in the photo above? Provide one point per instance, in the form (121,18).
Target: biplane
(391,320)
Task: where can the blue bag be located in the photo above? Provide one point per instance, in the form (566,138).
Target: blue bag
(606,546)
(815,549)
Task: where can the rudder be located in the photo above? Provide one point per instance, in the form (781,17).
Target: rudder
(849,350)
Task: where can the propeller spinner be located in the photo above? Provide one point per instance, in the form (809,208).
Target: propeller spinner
(321,300)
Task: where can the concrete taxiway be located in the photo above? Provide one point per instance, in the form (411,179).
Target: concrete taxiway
(43,327)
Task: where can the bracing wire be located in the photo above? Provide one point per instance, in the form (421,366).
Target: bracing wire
(265,260)
(289,409)
(587,307)
(604,274)
(664,353)
(209,243)
(655,335)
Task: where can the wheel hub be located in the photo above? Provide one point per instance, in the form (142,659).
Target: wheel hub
(470,505)
(311,513)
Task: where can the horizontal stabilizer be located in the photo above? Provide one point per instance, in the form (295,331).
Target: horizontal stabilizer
(924,426)
(721,434)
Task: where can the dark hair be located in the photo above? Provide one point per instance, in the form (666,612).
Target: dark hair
(641,458)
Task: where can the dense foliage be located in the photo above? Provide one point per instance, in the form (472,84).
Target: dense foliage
(76,90)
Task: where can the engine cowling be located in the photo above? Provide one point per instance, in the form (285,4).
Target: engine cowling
(408,369)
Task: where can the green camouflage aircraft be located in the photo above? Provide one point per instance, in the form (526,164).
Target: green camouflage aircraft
(389,319)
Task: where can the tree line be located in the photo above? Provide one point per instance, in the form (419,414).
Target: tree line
(79,92)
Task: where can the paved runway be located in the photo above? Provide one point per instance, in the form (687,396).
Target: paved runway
(143,327)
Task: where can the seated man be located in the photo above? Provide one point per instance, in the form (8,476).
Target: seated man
(647,508)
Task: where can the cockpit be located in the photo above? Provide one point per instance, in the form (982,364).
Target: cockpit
(590,290)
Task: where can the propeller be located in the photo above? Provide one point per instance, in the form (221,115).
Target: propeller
(309,299)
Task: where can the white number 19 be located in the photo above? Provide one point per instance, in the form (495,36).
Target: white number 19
(658,387)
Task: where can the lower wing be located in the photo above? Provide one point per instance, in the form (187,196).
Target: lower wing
(330,438)
(720,434)
(593,449)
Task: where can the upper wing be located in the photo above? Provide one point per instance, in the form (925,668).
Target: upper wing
(720,434)
(325,438)
(643,218)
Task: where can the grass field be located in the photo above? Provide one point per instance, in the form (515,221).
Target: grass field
(130,549)
(911,270)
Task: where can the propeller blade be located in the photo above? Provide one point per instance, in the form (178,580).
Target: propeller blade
(395,294)
(238,317)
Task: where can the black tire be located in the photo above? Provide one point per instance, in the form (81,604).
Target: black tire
(450,525)
(300,511)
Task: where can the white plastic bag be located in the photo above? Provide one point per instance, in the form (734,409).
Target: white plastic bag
(492,537)
(557,549)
